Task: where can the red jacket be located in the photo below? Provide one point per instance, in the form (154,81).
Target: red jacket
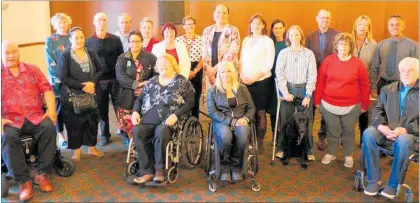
(342,83)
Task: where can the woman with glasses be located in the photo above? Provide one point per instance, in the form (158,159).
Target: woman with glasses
(133,70)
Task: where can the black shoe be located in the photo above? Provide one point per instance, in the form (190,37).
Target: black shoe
(237,176)
(105,141)
(225,177)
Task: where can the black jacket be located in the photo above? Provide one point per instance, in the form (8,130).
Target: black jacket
(220,111)
(387,111)
(126,75)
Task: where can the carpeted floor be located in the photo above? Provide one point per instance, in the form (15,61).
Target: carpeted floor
(101,180)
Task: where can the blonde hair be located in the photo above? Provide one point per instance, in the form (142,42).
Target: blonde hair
(347,37)
(302,38)
(219,83)
(161,62)
(56,18)
(146,20)
(189,17)
(369,33)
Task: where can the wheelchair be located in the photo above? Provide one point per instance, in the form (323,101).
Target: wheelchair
(64,167)
(250,163)
(359,184)
(186,145)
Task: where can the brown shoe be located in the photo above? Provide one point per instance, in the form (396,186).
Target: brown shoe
(44,182)
(322,144)
(26,191)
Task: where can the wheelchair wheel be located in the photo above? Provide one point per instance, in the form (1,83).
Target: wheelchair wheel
(173,174)
(4,186)
(133,168)
(208,151)
(64,167)
(212,186)
(255,186)
(408,196)
(192,142)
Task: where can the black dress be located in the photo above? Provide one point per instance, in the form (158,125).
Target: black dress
(82,129)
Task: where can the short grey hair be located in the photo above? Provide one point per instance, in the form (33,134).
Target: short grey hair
(122,15)
(98,15)
(409,61)
(56,18)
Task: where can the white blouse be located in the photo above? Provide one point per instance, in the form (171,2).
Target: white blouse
(257,57)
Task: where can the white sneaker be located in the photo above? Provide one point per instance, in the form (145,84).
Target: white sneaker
(348,161)
(280,155)
(311,157)
(327,159)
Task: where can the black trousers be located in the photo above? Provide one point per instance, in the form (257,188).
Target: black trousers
(60,121)
(106,88)
(197,83)
(151,141)
(44,138)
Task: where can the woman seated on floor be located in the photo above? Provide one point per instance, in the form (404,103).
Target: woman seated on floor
(157,113)
(231,108)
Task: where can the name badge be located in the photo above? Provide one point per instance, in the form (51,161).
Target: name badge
(128,63)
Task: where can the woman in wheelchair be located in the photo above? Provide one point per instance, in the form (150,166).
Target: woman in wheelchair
(157,113)
(231,108)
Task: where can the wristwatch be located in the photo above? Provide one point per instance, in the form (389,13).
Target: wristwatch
(308,96)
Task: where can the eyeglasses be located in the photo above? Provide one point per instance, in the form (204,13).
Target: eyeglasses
(134,42)
(189,24)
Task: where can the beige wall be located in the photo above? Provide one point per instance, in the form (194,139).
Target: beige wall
(27,22)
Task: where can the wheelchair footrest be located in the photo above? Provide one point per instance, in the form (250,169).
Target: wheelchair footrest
(156,184)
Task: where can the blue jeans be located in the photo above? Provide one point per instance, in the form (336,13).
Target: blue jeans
(231,145)
(402,148)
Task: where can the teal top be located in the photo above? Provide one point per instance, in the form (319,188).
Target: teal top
(403,92)
(54,46)
(278,47)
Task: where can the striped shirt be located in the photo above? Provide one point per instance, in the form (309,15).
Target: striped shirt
(296,67)
(365,52)
(405,47)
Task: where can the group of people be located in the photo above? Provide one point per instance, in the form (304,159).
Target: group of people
(154,86)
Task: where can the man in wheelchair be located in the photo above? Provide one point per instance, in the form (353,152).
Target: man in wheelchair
(24,87)
(395,123)
(231,108)
(162,104)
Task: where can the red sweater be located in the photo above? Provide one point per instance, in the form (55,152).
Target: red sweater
(342,83)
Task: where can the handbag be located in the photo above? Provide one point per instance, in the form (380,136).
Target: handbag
(83,102)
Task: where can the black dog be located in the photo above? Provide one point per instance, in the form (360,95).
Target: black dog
(296,140)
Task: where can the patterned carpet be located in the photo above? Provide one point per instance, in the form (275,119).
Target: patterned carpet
(101,180)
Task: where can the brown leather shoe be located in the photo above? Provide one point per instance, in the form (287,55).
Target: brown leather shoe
(26,191)
(44,182)
(322,144)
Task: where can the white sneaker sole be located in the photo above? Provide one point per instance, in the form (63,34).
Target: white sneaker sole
(387,195)
(370,193)
(329,161)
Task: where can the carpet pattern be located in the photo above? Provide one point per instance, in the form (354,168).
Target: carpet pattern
(101,180)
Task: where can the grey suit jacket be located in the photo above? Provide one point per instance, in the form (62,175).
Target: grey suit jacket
(312,43)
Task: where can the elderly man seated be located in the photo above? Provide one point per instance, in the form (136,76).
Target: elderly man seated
(23,88)
(395,123)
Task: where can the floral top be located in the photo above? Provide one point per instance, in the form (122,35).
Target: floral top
(228,45)
(156,102)
(54,46)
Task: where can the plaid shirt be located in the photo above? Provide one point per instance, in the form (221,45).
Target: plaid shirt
(22,95)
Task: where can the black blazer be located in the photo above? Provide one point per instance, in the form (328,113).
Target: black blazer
(312,42)
(126,76)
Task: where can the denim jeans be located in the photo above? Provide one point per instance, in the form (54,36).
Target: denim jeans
(402,148)
(231,145)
